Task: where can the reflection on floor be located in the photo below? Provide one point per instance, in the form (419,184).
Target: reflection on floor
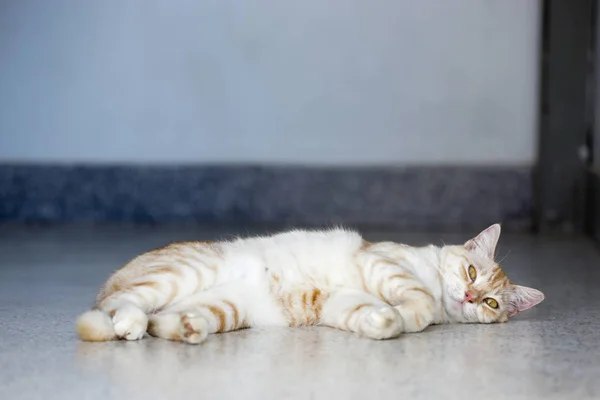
(49,275)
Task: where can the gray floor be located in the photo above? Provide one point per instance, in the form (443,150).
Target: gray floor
(49,275)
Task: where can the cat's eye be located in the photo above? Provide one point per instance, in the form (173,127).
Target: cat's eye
(472,272)
(491,302)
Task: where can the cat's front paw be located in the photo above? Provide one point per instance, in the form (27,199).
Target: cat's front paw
(415,320)
(130,323)
(382,323)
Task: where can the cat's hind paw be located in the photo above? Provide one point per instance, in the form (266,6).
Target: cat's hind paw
(130,323)
(187,327)
(193,328)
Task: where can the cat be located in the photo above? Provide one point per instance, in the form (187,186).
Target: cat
(334,278)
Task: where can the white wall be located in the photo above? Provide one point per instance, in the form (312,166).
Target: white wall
(268,81)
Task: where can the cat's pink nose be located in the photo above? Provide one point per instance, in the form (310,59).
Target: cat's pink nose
(469,297)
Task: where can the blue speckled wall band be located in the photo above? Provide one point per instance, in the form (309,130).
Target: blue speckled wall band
(416,197)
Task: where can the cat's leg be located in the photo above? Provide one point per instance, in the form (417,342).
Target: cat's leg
(148,283)
(221,309)
(193,322)
(127,311)
(417,308)
(401,289)
(128,307)
(361,313)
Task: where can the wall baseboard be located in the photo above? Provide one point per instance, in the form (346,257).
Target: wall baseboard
(415,197)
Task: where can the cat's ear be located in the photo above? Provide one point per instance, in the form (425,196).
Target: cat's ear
(523,298)
(485,243)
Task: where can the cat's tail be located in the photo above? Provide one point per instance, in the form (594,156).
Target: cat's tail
(95,326)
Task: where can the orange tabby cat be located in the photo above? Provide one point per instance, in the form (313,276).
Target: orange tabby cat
(334,278)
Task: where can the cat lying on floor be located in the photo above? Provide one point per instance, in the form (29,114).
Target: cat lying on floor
(334,278)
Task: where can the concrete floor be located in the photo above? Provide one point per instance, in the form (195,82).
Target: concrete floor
(49,275)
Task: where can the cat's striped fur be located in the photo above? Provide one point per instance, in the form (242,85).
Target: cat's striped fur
(185,291)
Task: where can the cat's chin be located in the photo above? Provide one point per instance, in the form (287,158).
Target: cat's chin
(455,309)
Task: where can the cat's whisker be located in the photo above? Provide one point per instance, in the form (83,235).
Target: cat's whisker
(503,258)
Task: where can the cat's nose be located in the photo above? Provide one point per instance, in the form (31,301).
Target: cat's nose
(469,297)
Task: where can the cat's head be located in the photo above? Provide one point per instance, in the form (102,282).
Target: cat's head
(476,290)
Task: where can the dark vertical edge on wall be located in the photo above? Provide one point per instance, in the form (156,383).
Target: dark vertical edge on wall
(566,115)
(593,206)
(593,182)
